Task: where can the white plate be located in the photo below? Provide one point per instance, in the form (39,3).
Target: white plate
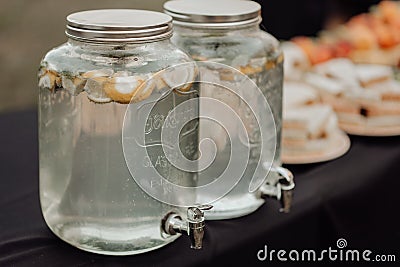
(365,130)
(339,145)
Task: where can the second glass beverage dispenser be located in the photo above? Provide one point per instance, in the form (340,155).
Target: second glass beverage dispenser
(226,33)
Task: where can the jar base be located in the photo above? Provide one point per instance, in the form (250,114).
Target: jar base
(86,238)
(231,207)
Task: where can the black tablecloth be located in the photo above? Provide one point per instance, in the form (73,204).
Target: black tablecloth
(354,197)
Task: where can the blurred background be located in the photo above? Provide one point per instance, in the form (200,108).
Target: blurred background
(30,28)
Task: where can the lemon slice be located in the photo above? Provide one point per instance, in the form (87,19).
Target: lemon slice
(96,80)
(98,73)
(73,85)
(157,80)
(180,77)
(227,75)
(49,79)
(122,88)
(144,90)
(199,58)
(250,70)
(94,88)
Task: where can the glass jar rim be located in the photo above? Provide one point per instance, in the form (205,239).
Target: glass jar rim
(119,25)
(213,14)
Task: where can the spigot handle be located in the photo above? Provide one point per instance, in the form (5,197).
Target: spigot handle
(287,176)
(196,225)
(196,214)
(287,186)
(205,207)
(281,188)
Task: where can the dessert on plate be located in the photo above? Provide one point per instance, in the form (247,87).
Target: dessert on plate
(310,128)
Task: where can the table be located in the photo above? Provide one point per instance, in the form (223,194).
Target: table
(354,197)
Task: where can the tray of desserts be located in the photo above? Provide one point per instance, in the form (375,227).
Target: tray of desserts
(366,98)
(354,69)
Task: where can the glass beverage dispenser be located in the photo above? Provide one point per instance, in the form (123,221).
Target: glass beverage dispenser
(226,32)
(88,195)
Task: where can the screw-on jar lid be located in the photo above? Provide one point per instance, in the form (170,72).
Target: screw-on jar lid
(119,25)
(213,13)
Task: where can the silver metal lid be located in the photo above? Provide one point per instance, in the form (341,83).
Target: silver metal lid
(119,25)
(213,13)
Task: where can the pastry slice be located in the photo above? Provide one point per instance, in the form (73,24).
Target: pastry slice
(312,120)
(297,94)
(308,129)
(369,74)
(325,85)
(296,61)
(341,69)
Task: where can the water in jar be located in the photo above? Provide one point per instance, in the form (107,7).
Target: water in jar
(87,193)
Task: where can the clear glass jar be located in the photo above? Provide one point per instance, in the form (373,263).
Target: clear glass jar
(227,32)
(87,193)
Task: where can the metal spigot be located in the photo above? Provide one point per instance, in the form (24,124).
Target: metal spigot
(194,226)
(280,188)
